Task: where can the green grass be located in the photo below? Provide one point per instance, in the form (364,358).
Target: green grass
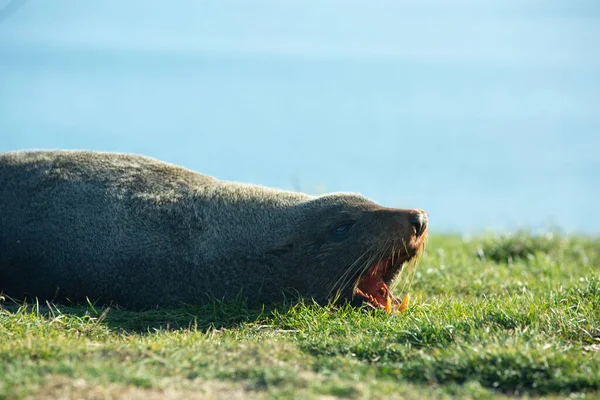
(493,316)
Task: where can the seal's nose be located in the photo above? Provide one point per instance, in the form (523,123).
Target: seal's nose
(419,221)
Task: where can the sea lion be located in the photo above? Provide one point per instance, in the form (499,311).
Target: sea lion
(141,233)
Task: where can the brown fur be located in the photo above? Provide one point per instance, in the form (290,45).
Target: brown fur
(142,233)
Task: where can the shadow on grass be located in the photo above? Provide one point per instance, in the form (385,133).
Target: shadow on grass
(215,315)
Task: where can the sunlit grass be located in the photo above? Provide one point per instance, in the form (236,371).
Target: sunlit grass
(491,316)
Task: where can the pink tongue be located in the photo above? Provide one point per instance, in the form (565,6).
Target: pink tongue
(372,284)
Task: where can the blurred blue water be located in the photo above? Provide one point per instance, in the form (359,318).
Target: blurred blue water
(486,115)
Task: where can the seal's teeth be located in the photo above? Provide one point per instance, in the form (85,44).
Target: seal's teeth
(388,304)
(374,301)
(404,305)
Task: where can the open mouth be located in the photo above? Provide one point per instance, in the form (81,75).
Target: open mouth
(373,284)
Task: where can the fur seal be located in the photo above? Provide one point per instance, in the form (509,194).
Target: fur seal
(141,233)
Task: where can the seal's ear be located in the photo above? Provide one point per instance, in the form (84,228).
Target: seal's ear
(281,250)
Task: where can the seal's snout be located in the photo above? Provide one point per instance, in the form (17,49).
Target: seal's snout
(407,229)
(419,221)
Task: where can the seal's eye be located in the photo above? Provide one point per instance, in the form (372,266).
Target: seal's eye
(342,229)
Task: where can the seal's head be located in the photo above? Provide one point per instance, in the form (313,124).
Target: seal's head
(348,248)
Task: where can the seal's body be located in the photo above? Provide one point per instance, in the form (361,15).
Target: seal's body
(138,232)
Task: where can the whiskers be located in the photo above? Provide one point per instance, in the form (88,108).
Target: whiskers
(394,249)
(358,267)
(407,273)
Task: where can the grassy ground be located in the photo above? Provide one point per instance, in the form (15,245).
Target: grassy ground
(490,317)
